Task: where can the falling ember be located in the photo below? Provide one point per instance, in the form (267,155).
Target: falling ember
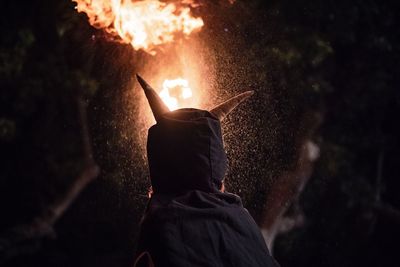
(175,93)
(143,24)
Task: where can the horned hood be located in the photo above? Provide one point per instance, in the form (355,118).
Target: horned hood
(185,152)
(185,148)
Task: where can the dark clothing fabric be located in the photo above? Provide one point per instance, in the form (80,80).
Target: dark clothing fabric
(188,222)
(185,152)
(201,229)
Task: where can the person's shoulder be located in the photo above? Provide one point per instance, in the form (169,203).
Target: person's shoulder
(195,199)
(229,198)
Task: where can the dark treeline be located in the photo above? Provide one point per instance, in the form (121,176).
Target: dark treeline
(328,65)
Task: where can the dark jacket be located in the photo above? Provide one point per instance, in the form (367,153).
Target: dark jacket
(188,221)
(202,229)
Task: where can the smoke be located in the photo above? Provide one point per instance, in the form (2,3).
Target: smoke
(219,63)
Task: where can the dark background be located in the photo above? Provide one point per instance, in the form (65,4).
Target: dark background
(338,59)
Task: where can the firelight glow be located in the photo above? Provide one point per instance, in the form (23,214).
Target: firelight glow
(143,24)
(175,93)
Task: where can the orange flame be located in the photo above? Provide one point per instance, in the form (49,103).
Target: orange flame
(143,24)
(175,93)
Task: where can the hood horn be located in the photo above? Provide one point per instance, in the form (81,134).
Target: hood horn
(156,104)
(222,110)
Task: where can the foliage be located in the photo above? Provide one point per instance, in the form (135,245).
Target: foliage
(338,58)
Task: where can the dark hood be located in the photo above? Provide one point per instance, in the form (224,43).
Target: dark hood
(185,152)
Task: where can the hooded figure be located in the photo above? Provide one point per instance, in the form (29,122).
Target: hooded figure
(189,221)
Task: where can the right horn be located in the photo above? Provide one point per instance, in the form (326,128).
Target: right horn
(222,110)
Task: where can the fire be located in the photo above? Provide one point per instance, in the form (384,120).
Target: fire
(175,93)
(143,24)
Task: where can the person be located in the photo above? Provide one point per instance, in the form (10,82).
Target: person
(189,219)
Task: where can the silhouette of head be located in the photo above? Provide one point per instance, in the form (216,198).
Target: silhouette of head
(185,147)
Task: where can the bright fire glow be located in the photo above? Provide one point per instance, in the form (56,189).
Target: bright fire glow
(143,24)
(175,93)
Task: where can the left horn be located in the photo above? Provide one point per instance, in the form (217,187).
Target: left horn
(222,110)
(156,104)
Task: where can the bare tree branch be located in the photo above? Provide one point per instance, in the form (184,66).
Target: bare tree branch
(26,238)
(288,187)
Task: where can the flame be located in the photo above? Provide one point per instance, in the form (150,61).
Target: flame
(175,93)
(143,24)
